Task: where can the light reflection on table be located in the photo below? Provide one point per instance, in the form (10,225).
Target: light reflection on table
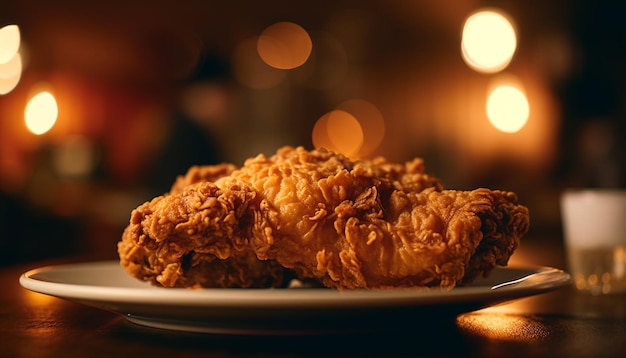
(559,323)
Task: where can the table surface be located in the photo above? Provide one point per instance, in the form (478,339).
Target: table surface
(554,324)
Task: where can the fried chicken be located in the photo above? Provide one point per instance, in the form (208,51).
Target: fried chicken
(316,215)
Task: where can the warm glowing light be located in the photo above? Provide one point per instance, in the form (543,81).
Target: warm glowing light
(10,74)
(488,41)
(9,42)
(41,113)
(320,134)
(338,131)
(371,122)
(37,299)
(507,109)
(355,128)
(284,45)
(251,71)
(506,327)
(344,132)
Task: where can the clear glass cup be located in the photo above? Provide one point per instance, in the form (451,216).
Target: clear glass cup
(594,228)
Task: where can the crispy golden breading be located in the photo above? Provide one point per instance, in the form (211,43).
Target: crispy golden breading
(318,215)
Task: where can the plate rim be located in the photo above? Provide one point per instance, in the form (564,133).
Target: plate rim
(278,298)
(313,311)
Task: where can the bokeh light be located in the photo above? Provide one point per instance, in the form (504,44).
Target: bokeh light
(338,131)
(319,135)
(488,41)
(10,59)
(371,122)
(284,45)
(354,128)
(10,74)
(41,113)
(9,42)
(507,108)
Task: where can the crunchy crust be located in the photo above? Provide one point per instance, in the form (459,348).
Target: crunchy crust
(318,215)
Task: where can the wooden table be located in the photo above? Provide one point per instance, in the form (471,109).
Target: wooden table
(562,323)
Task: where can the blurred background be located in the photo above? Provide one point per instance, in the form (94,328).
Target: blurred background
(102,104)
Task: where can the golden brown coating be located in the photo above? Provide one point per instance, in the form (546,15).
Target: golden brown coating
(346,224)
(192,239)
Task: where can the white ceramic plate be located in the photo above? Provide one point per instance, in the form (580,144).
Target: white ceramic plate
(105,285)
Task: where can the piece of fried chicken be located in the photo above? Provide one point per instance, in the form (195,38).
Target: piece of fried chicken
(321,216)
